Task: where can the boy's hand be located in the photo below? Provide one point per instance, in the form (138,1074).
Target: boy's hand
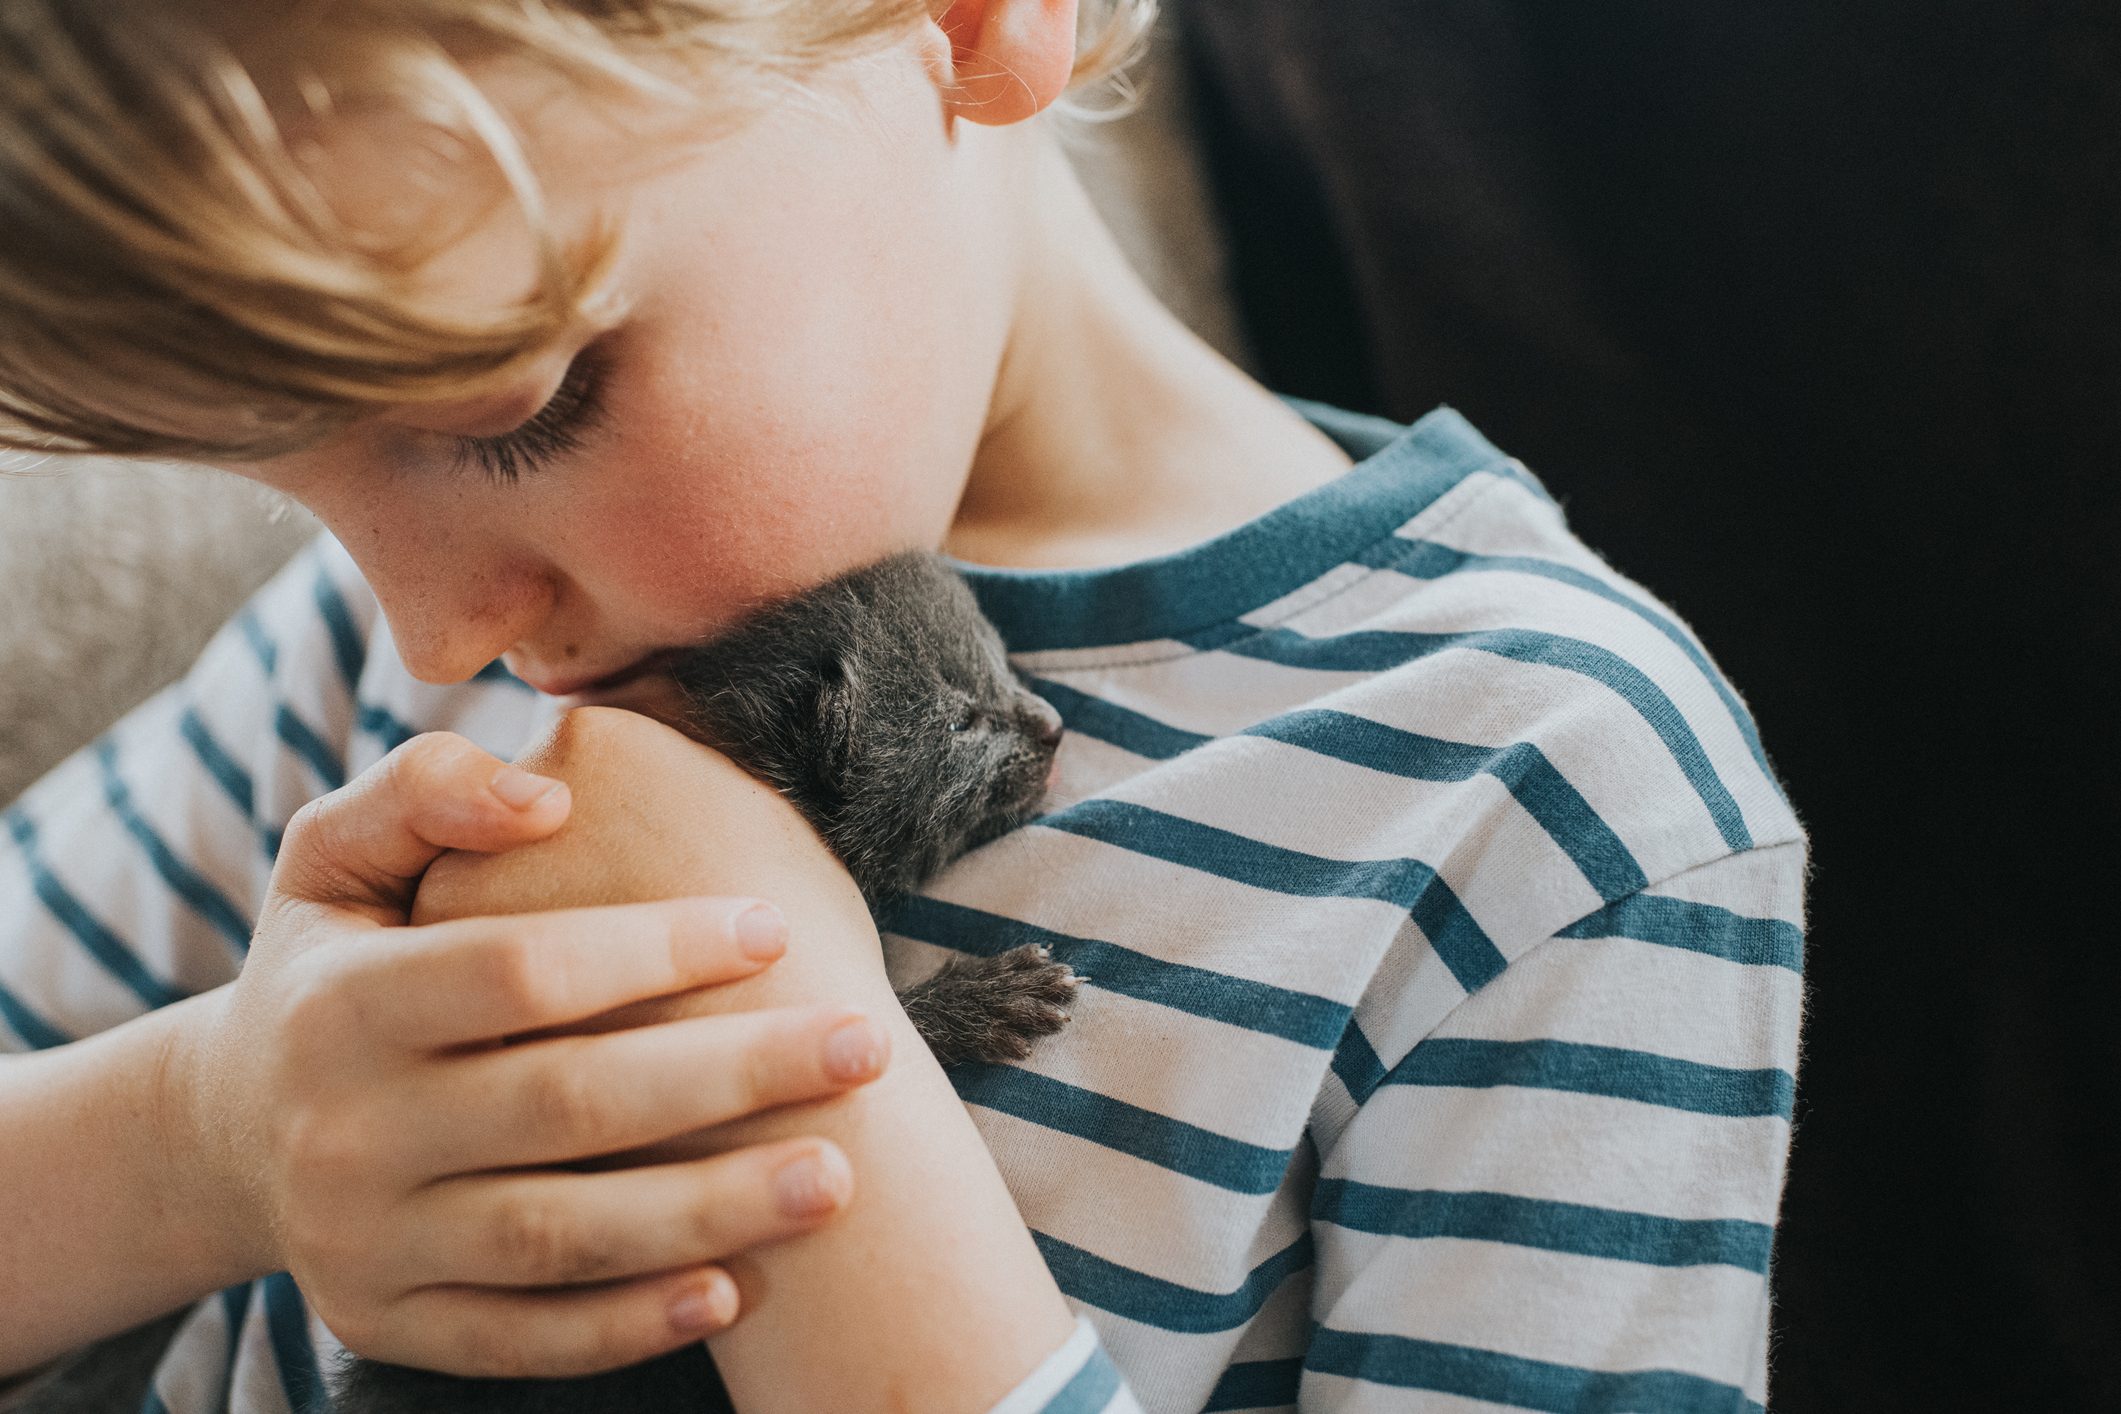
(355,1096)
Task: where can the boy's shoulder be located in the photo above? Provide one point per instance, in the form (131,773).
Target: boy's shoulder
(1468,687)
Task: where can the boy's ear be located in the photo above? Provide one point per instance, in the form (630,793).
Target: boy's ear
(1010,58)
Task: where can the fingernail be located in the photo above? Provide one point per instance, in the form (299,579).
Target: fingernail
(705,1308)
(853,1050)
(761,932)
(805,1189)
(518,789)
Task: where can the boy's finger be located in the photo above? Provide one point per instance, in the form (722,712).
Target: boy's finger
(365,845)
(541,1228)
(559,1334)
(581,1097)
(483,979)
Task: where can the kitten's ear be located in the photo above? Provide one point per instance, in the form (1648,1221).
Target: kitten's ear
(836,715)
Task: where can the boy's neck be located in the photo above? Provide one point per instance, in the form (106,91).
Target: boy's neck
(1115,433)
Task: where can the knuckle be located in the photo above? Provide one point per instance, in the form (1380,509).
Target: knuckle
(311,834)
(320,1149)
(313,1008)
(563,1106)
(527,977)
(310,1231)
(428,764)
(532,1238)
(303,825)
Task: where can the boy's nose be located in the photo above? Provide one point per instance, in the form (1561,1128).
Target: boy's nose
(448,626)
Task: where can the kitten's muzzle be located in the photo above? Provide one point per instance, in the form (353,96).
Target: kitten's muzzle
(1046,725)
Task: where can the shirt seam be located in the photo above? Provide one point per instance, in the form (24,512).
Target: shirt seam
(1151,655)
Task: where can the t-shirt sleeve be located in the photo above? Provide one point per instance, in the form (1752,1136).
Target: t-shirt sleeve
(131,874)
(1564,1196)
(1078,1378)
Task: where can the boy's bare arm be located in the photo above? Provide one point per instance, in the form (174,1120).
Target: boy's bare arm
(927,1292)
(340,1111)
(100,1231)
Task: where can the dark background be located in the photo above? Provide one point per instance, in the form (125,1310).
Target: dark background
(1810,313)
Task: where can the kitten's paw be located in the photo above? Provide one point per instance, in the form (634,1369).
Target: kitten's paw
(992,1009)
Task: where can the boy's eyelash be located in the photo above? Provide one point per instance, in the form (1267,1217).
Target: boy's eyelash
(554,430)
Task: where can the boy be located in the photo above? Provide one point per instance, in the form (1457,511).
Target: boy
(1439,909)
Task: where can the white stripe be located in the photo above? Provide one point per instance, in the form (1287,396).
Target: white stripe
(1566,1148)
(1590,1312)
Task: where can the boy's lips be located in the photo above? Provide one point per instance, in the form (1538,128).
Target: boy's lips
(569,687)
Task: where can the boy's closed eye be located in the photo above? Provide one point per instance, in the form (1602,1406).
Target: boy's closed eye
(573,412)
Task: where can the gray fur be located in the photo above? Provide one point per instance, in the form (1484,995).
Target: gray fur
(882,705)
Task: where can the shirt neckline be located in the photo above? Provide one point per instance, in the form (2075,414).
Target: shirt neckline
(1398,472)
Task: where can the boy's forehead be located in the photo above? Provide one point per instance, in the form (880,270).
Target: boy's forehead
(434,197)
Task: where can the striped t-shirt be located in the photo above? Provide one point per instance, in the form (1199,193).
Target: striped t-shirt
(1440,913)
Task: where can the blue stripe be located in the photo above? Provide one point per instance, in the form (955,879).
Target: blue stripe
(1402,472)
(1598,1070)
(1514,1380)
(261,644)
(1167,1305)
(197,891)
(1114,1124)
(101,943)
(1376,651)
(1295,1016)
(234,781)
(288,1325)
(347,645)
(1611,1233)
(379,723)
(1532,780)
(1355,1062)
(40,1034)
(1256,1384)
(1092,1388)
(1123,727)
(1405,883)
(234,1306)
(1425,559)
(305,742)
(1696,927)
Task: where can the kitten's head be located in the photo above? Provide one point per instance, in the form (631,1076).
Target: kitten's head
(882,705)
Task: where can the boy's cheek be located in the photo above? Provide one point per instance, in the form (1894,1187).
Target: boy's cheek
(677,555)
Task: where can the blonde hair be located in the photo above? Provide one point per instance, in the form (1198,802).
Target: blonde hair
(172,284)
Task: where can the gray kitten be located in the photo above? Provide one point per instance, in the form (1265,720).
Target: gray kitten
(882,706)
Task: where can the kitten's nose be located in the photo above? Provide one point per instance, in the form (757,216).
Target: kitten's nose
(1048,723)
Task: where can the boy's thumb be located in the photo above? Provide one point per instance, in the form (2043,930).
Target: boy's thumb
(365,845)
